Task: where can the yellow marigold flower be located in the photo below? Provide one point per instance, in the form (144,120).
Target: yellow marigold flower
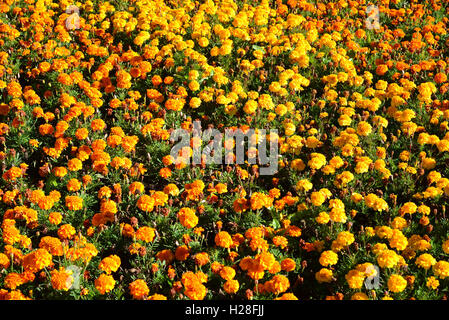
(408,207)
(387,259)
(359,296)
(428,163)
(399,223)
(425,261)
(432,283)
(317,161)
(398,240)
(324,275)
(322,218)
(328,258)
(364,128)
(396,283)
(304,185)
(345,238)
(344,120)
(446,246)
(441,269)
(250,107)
(355,279)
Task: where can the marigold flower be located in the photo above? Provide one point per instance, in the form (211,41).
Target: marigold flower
(61,279)
(441,269)
(55,218)
(165,255)
(145,234)
(37,260)
(227,273)
(104,283)
(110,264)
(223,239)
(324,275)
(139,289)
(52,245)
(432,283)
(74,203)
(396,283)
(145,203)
(328,258)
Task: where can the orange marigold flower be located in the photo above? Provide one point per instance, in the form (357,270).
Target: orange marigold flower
(288,264)
(59,171)
(201,258)
(146,234)
(278,284)
(73,185)
(37,260)
(136,186)
(227,273)
(81,133)
(231,286)
(104,283)
(74,203)
(110,264)
(160,198)
(187,218)
(74,164)
(280,241)
(61,279)
(145,203)
(171,189)
(165,255)
(66,231)
(182,253)
(14,89)
(52,245)
(4,261)
(55,218)
(108,207)
(98,125)
(223,239)
(194,289)
(139,289)
(13,280)
(165,172)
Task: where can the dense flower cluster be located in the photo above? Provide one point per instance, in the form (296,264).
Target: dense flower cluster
(95,205)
